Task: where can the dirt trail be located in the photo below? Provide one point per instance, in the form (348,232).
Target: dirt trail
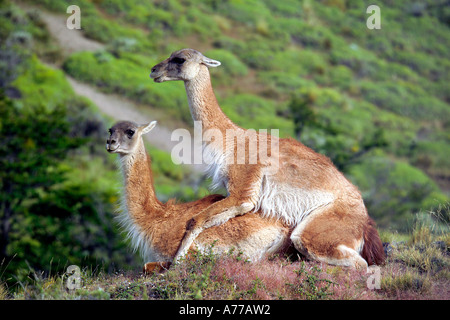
(69,40)
(121,109)
(118,108)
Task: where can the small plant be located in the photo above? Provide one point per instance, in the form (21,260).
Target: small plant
(310,285)
(129,291)
(188,279)
(200,280)
(3,291)
(404,283)
(424,259)
(431,223)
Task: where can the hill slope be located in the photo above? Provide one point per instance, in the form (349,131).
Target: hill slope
(375,101)
(379,98)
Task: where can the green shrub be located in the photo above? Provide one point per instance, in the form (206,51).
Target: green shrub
(392,190)
(362,62)
(129,76)
(432,156)
(311,285)
(404,282)
(404,99)
(61,6)
(340,76)
(284,82)
(231,69)
(42,85)
(253,112)
(287,8)
(247,12)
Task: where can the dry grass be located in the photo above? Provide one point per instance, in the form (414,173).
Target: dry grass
(417,267)
(410,273)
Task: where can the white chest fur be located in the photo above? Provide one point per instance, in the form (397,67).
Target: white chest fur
(291,204)
(278,200)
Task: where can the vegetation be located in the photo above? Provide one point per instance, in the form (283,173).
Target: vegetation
(355,95)
(375,101)
(415,269)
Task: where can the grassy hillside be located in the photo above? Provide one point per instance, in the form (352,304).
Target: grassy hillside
(375,101)
(379,98)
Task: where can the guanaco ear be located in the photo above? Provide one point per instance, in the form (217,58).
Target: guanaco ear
(147,128)
(210,62)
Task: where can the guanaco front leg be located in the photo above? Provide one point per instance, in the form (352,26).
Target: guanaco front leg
(216,214)
(242,198)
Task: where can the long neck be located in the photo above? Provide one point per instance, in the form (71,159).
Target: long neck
(140,195)
(203,103)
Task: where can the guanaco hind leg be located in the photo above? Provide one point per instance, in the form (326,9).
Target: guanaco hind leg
(330,237)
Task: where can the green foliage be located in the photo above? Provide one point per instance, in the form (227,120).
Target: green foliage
(413,270)
(413,266)
(247,12)
(190,278)
(327,121)
(302,113)
(374,101)
(253,112)
(284,83)
(393,189)
(20,33)
(231,69)
(50,216)
(39,83)
(405,99)
(34,141)
(430,155)
(47,220)
(107,72)
(311,285)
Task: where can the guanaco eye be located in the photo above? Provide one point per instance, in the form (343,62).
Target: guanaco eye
(178,60)
(110,131)
(129,133)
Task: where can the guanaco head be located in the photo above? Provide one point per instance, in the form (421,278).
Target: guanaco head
(181,65)
(124,136)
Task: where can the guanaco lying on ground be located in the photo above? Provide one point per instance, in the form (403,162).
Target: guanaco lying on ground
(156,229)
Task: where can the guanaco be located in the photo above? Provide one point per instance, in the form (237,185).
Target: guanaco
(301,187)
(156,229)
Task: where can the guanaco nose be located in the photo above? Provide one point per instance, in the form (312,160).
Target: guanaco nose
(110,143)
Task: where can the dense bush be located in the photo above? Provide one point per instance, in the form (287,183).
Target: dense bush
(243,107)
(231,69)
(405,99)
(393,189)
(44,219)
